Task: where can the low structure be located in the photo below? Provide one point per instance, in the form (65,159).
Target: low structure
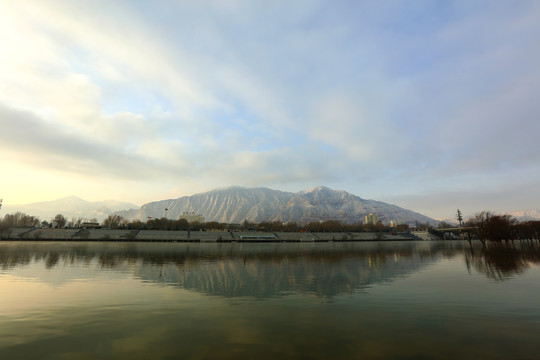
(191,217)
(33,234)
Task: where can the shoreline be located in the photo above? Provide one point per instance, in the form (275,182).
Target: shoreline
(100,235)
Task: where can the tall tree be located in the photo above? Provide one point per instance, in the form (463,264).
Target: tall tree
(459,218)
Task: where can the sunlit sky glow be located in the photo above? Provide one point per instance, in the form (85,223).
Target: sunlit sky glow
(429,105)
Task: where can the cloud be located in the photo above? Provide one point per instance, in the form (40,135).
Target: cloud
(34,141)
(375,98)
(468,108)
(519,194)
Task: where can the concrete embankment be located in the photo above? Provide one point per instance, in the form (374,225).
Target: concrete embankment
(29,234)
(425,235)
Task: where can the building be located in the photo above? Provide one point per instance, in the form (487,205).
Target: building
(396,223)
(191,217)
(371,219)
(90,225)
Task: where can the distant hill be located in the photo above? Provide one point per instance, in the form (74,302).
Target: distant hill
(70,207)
(236,204)
(525,215)
(520,215)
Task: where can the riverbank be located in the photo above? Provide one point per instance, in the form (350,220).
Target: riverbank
(30,234)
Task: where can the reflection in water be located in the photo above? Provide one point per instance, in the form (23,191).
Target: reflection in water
(502,261)
(266,270)
(258,270)
(408,300)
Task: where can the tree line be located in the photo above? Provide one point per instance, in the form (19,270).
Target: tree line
(20,219)
(488,226)
(115,221)
(484,226)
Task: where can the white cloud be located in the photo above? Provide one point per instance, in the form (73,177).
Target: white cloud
(361,96)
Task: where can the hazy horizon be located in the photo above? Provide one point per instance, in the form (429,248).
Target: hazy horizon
(126,205)
(428,105)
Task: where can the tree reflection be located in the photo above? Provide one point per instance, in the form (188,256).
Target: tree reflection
(502,261)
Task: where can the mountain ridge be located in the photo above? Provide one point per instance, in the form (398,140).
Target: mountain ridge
(236,204)
(525,215)
(71,207)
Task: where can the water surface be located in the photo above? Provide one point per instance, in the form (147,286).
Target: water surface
(376,300)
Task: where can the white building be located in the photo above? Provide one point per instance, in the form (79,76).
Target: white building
(372,219)
(191,217)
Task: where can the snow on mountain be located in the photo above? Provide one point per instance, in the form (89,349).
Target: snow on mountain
(525,215)
(236,204)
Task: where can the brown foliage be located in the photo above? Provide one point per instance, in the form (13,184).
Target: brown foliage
(488,226)
(19,219)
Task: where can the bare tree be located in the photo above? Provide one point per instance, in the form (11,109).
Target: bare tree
(59,221)
(75,222)
(20,219)
(488,226)
(113,221)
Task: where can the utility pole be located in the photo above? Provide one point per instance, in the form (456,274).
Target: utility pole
(166,212)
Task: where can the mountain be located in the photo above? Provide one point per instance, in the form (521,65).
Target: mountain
(70,207)
(236,204)
(526,215)
(449,221)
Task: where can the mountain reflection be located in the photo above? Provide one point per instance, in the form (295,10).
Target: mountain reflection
(255,270)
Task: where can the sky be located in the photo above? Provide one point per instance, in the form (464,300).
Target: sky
(429,105)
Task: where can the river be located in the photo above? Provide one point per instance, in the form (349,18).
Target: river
(373,300)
